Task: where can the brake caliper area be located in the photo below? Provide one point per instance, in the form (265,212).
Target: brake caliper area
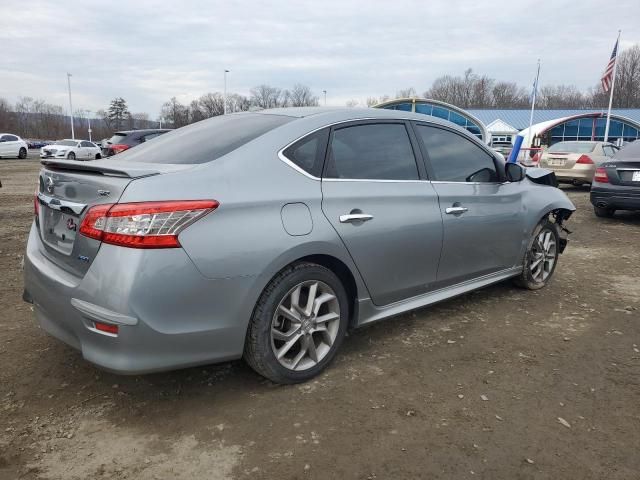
(560,216)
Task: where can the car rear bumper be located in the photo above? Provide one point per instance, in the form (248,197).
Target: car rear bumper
(621,198)
(578,173)
(168,315)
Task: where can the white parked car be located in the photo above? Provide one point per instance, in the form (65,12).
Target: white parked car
(71,150)
(12,146)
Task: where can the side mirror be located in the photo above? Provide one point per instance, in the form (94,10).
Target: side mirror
(514,172)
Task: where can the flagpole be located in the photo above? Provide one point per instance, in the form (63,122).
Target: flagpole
(613,85)
(533,105)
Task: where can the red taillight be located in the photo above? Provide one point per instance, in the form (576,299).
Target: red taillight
(585,160)
(145,224)
(106,327)
(119,147)
(536,158)
(601,175)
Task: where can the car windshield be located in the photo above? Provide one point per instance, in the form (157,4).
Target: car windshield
(68,143)
(629,151)
(206,140)
(572,147)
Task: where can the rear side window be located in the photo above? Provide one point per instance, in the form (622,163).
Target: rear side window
(372,151)
(117,138)
(87,144)
(10,138)
(454,158)
(308,153)
(206,140)
(572,147)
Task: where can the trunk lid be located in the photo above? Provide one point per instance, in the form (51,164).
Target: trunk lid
(559,160)
(623,172)
(66,190)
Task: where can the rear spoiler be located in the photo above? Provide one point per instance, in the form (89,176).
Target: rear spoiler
(112,168)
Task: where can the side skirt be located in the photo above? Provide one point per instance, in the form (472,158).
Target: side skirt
(369,313)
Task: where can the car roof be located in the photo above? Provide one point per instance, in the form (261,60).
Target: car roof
(340,114)
(145,130)
(631,151)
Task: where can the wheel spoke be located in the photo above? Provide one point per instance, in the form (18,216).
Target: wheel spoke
(536,262)
(326,336)
(291,315)
(322,299)
(301,354)
(284,336)
(327,317)
(295,300)
(287,346)
(313,291)
(311,349)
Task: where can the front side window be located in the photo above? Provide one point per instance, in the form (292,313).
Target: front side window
(455,158)
(308,153)
(380,151)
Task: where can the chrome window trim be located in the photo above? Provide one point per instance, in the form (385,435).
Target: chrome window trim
(373,180)
(471,183)
(287,161)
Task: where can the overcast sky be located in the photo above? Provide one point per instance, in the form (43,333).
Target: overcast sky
(149,51)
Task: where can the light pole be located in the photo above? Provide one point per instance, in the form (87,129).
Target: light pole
(89,123)
(224,99)
(325,97)
(73,135)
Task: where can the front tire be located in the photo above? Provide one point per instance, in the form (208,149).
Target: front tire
(541,257)
(603,212)
(298,324)
(71,156)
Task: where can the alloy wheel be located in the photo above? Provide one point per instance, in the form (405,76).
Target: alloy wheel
(305,325)
(543,255)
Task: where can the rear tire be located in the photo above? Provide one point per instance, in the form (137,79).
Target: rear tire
(541,257)
(603,212)
(98,156)
(22,154)
(290,339)
(71,156)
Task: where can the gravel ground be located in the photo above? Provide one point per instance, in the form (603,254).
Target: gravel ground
(498,384)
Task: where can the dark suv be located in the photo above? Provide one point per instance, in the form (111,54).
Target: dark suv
(127,139)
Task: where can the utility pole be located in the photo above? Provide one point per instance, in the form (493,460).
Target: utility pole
(73,135)
(224,100)
(325,97)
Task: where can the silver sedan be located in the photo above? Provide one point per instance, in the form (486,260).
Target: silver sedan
(267,235)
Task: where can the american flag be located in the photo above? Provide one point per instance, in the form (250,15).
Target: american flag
(607,77)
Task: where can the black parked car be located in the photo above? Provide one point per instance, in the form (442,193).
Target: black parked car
(127,139)
(616,183)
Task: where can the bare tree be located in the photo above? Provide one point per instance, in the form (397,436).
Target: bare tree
(508,95)
(627,92)
(211,104)
(175,113)
(560,96)
(265,96)
(301,96)
(352,103)
(406,93)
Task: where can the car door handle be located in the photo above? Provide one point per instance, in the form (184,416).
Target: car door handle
(355,217)
(455,210)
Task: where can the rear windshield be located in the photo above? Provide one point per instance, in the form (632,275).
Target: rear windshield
(206,140)
(117,138)
(629,151)
(572,147)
